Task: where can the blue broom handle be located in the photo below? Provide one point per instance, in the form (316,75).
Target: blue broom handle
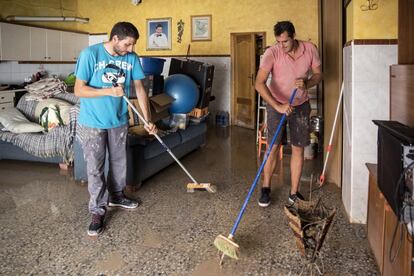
(259,172)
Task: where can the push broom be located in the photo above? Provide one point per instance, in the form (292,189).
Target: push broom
(328,150)
(226,245)
(190,186)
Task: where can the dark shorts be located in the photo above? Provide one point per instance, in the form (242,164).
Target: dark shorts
(298,125)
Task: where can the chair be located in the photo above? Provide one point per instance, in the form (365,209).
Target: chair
(262,140)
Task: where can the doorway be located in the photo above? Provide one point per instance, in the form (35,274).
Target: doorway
(246,49)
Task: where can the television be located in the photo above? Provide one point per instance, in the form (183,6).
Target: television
(395,153)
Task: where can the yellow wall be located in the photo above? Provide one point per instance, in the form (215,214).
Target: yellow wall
(227,16)
(381,23)
(42,8)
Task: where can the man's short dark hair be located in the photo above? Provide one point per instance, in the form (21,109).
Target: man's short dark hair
(284,26)
(123,30)
(158,26)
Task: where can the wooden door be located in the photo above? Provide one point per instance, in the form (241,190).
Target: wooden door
(243,77)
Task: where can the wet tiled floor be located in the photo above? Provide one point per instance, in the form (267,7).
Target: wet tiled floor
(44,217)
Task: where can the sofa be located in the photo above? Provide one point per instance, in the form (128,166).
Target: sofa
(54,146)
(146,156)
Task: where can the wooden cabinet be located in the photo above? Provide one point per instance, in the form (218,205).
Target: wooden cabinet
(53,45)
(23,43)
(6,100)
(376,217)
(401,93)
(72,45)
(405,31)
(15,42)
(38,44)
(401,246)
(381,226)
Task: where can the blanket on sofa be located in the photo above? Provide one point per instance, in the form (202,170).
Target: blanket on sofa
(57,142)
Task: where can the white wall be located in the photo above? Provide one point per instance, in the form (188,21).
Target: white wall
(12,72)
(366,97)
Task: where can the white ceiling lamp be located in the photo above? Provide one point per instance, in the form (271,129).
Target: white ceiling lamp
(46,19)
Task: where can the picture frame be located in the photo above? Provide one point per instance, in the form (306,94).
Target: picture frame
(159,33)
(201,28)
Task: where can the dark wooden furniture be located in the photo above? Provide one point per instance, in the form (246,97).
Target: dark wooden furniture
(402,93)
(405,32)
(381,226)
(376,217)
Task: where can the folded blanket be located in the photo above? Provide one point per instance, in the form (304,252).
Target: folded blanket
(45,88)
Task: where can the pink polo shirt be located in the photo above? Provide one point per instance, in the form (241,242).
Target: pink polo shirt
(285,70)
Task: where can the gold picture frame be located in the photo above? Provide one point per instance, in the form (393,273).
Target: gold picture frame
(201,27)
(159,34)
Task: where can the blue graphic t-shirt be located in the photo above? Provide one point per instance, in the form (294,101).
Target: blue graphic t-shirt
(101,70)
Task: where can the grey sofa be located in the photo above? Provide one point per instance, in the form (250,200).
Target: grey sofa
(52,147)
(147,157)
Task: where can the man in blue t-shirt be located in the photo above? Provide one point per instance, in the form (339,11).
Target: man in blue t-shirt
(103,75)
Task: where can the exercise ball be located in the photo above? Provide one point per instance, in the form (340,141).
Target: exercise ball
(185,92)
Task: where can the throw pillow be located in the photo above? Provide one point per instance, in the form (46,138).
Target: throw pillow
(50,117)
(64,108)
(14,121)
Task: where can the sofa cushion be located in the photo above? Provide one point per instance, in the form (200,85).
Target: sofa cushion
(155,148)
(14,121)
(28,107)
(192,131)
(64,108)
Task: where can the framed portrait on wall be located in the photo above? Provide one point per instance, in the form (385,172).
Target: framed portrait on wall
(159,34)
(200,27)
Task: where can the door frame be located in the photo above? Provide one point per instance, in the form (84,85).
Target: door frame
(232,73)
(332,32)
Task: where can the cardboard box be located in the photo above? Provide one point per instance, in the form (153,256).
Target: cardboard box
(159,105)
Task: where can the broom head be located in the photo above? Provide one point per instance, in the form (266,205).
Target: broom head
(227,246)
(204,186)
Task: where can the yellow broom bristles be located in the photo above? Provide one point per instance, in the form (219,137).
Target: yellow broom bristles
(227,246)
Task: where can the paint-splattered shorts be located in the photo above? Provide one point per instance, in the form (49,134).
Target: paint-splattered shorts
(298,125)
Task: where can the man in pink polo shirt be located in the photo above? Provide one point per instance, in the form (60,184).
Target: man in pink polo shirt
(293,64)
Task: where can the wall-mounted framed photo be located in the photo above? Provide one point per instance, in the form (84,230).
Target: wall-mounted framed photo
(200,27)
(159,34)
